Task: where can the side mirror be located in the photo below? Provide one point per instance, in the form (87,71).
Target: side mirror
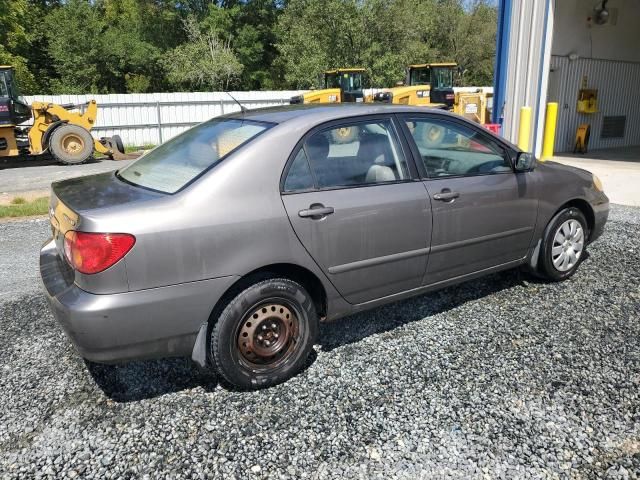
(525,162)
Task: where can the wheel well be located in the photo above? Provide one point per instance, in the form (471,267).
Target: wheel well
(304,277)
(586,210)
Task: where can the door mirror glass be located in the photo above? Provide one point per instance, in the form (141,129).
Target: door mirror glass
(525,162)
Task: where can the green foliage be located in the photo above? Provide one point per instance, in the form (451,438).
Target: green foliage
(384,37)
(118,46)
(204,61)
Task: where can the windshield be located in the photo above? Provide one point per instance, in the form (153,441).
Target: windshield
(172,165)
(346,81)
(443,78)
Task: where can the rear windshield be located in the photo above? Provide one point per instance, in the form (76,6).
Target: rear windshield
(172,165)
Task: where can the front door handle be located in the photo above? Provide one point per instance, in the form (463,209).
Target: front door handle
(316,211)
(446,196)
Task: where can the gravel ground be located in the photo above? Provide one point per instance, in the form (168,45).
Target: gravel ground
(503,377)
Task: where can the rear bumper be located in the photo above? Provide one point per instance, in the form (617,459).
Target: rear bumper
(153,323)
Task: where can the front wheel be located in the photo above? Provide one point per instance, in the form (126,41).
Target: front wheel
(71,144)
(564,245)
(264,335)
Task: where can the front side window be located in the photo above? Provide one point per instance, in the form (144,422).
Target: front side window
(356,154)
(450,149)
(172,165)
(420,76)
(332,81)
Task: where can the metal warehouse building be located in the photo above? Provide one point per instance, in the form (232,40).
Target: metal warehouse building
(582,54)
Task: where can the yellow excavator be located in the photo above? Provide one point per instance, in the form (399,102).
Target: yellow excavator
(61,130)
(342,85)
(427,84)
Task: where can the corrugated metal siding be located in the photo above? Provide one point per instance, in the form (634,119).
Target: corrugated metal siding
(618,85)
(525,63)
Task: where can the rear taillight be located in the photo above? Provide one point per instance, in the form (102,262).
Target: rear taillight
(94,252)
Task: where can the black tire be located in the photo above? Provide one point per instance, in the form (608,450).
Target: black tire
(344,135)
(546,267)
(431,135)
(71,144)
(117,142)
(273,302)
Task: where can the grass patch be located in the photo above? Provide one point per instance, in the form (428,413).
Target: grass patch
(39,206)
(18,201)
(132,148)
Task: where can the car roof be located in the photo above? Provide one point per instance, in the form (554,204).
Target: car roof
(318,113)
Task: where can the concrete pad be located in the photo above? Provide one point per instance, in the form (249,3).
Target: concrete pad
(619,170)
(32,181)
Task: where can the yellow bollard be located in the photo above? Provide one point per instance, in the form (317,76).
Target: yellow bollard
(525,129)
(550,123)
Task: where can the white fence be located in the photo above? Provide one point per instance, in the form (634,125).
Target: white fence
(152,118)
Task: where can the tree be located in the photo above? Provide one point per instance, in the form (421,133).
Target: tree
(203,62)
(14,42)
(468,35)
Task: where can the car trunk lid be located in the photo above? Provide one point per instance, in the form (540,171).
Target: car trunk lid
(74,200)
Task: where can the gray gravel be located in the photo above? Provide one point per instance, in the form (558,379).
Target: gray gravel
(20,243)
(503,377)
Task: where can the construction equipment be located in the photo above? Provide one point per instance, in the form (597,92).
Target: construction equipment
(427,84)
(342,85)
(56,129)
(475,106)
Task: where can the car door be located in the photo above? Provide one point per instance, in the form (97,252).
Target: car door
(351,199)
(483,212)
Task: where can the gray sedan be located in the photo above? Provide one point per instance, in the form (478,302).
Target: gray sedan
(232,241)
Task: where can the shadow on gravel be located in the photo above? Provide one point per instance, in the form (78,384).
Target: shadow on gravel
(142,380)
(388,317)
(149,379)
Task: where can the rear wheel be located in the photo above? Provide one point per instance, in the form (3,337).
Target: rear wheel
(264,335)
(564,245)
(431,135)
(71,144)
(116,141)
(344,135)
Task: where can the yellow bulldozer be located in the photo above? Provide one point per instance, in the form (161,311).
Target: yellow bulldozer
(342,85)
(60,130)
(427,84)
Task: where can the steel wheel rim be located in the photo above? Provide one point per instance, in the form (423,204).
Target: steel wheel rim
(568,244)
(268,335)
(72,144)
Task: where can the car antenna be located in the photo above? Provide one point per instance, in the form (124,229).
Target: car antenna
(243,109)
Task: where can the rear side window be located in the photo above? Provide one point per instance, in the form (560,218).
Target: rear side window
(356,154)
(172,165)
(299,176)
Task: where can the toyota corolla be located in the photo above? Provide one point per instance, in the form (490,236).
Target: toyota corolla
(232,241)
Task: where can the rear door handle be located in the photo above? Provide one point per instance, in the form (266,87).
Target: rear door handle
(446,196)
(316,212)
